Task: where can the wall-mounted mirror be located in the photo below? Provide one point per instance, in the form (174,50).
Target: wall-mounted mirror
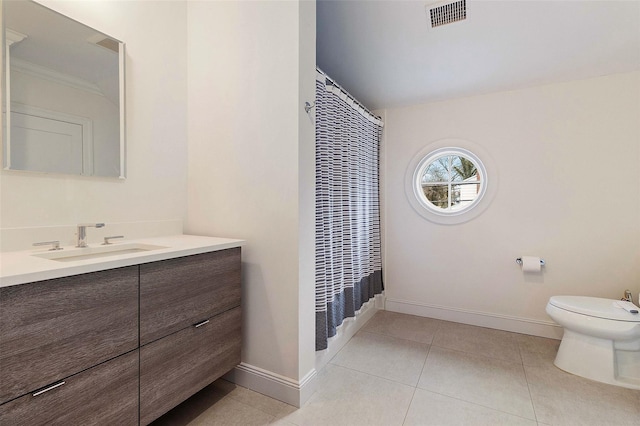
(63,89)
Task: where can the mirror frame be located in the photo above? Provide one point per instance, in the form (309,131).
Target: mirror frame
(6,100)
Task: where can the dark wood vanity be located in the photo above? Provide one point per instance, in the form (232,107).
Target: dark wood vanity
(121,346)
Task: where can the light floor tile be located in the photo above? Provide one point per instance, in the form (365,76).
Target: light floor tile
(428,408)
(560,398)
(490,382)
(348,397)
(384,356)
(484,377)
(536,351)
(478,340)
(402,326)
(229,412)
(260,402)
(204,409)
(282,422)
(190,409)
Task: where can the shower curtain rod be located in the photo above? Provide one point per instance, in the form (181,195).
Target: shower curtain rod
(349,95)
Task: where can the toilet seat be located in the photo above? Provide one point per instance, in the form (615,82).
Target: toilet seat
(593,307)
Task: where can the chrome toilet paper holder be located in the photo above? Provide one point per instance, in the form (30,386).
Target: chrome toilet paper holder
(519,261)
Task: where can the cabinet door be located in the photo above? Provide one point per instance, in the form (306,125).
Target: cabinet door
(56,328)
(177,366)
(103,395)
(177,293)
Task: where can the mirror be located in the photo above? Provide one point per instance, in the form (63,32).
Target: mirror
(63,87)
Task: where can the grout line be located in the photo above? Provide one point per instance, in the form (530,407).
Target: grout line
(478,355)
(526,379)
(415,389)
(341,349)
(477,404)
(404,420)
(375,375)
(521,364)
(394,337)
(424,364)
(533,406)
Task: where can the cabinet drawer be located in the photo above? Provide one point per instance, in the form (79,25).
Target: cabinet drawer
(177,293)
(177,366)
(103,395)
(56,328)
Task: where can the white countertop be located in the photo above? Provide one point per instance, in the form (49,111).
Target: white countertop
(20,267)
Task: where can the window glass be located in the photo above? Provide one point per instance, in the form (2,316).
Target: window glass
(449,181)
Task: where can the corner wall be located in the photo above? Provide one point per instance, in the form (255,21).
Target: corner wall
(251,67)
(567,160)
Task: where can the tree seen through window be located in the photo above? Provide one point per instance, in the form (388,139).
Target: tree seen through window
(451,182)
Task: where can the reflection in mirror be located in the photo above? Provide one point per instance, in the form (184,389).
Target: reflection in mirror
(64,93)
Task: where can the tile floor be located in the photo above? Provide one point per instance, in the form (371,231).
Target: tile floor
(407,370)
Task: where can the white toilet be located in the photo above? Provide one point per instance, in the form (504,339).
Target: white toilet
(601,342)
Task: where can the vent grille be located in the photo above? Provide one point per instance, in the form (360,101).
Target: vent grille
(447,13)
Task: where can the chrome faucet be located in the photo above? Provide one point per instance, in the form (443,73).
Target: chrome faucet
(627,296)
(82,232)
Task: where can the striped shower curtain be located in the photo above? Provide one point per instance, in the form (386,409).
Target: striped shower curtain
(348,261)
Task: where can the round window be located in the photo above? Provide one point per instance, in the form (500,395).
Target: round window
(449,181)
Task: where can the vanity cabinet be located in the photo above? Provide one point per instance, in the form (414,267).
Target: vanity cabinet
(128,344)
(189,327)
(106,394)
(177,366)
(178,293)
(53,329)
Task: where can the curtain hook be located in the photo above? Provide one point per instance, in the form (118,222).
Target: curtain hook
(308,106)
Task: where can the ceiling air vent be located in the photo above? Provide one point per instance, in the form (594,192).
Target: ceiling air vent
(447,13)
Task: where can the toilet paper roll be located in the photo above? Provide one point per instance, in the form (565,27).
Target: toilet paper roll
(530,264)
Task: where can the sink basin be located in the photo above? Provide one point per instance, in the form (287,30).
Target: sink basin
(96,252)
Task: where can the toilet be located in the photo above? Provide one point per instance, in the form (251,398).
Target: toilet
(601,341)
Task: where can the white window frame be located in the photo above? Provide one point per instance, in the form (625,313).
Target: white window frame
(461,147)
(448,152)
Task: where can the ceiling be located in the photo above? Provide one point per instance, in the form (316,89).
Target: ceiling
(386,55)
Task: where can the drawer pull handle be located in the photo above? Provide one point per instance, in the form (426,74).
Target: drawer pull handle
(200,324)
(47,389)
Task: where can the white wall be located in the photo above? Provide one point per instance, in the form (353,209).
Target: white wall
(567,160)
(306,192)
(251,67)
(156,73)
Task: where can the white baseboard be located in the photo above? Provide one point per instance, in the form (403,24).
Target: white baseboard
(348,329)
(282,388)
(294,392)
(533,327)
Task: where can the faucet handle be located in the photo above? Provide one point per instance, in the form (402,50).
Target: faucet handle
(55,244)
(92,225)
(106,239)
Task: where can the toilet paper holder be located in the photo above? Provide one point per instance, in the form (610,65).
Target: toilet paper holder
(519,261)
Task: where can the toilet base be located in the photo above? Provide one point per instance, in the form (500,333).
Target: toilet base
(597,359)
